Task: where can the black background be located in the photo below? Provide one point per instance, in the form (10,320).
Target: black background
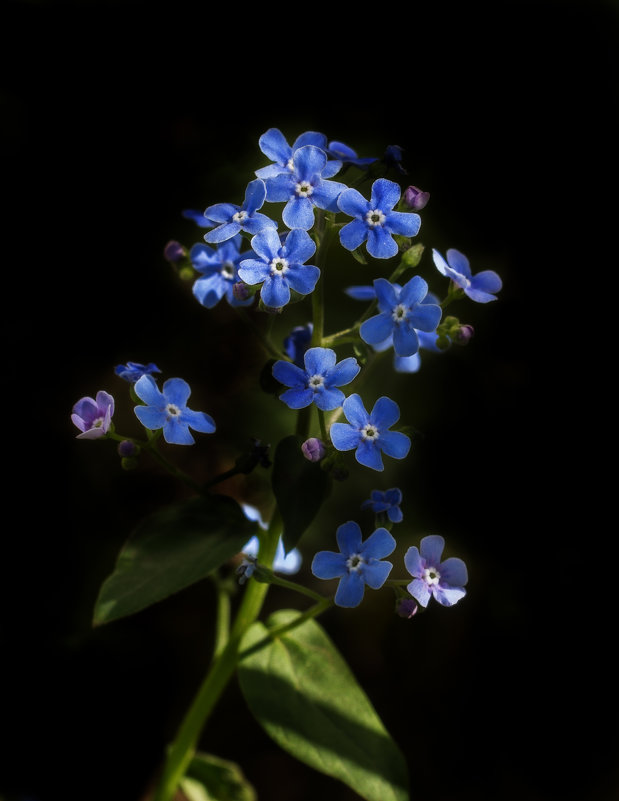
(116,116)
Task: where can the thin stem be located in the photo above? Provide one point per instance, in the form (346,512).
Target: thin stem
(263,576)
(261,336)
(323,426)
(318,301)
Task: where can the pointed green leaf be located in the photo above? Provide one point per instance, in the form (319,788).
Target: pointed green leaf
(210,778)
(300,487)
(305,696)
(170,550)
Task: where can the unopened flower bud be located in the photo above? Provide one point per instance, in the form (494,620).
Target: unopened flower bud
(313,449)
(241,291)
(127,448)
(174,252)
(406,607)
(465,334)
(415,198)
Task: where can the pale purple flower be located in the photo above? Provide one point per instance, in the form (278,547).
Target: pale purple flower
(93,416)
(443,580)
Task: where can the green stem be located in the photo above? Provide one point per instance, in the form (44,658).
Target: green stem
(222,620)
(268,577)
(323,426)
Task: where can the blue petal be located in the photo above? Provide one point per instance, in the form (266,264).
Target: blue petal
(275,292)
(274,145)
(310,138)
(150,417)
(405,341)
(319,360)
(368,454)
(395,444)
(298,213)
(419,590)
(270,171)
(332,167)
(413,562)
(352,202)
(280,188)
(414,291)
(267,244)
(258,222)
(355,411)
(376,574)
(349,537)
(381,244)
(395,514)
(403,223)
(328,565)
(449,596)
(203,258)
(453,572)
(255,195)
(297,398)
(209,290)
(199,421)
(431,548)
(394,495)
(344,372)
(353,234)
(459,262)
(176,391)
(252,271)
(328,399)
(147,390)
(483,285)
(385,194)
(378,545)
(309,161)
(303,278)
(387,294)
(222,232)
(326,194)
(344,437)
(176,433)
(289,374)
(350,590)
(441,264)
(360,292)
(198,217)
(299,246)
(222,212)
(385,413)
(377,329)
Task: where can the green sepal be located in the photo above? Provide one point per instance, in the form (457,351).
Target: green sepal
(412,256)
(171,550)
(299,486)
(302,692)
(359,256)
(211,778)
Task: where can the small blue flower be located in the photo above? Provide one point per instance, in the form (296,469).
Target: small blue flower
(402,313)
(345,154)
(480,287)
(443,580)
(386,502)
(369,433)
(273,144)
(199,217)
(304,187)
(375,220)
(219,272)
(317,382)
(133,370)
(231,219)
(297,342)
(93,416)
(167,409)
(280,267)
(358,563)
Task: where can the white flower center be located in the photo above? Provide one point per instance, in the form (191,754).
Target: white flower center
(240,216)
(316,381)
(172,410)
(303,189)
(98,423)
(400,313)
(375,217)
(355,561)
(279,266)
(369,432)
(431,575)
(227,269)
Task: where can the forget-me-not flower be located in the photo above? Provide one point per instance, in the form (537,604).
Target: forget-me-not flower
(317,382)
(280,267)
(387,502)
(304,187)
(133,370)
(231,219)
(358,563)
(369,433)
(375,220)
(480,287)
(199,217)
(345,154)
(297,342)
(443,580)
(219,272)
(402,313)
(274,144)
(166,408)
(93,416)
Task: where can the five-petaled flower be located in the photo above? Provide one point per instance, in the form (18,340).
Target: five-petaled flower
(375,220)
(318,382)
(133,370)
(402,313)
(444,580)
(480,287)
(358,563)
(369,433)
(231,219)
(280,267)
(166,408)
(273,144)
(219,272)
(304,187)
(93,416)
(387,502)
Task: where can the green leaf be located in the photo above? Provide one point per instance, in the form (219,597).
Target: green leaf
(304,695)
(210,778)
(300,487)
(170,550)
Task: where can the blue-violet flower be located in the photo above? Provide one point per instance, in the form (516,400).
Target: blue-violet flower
(93,416)
(133,370)
(273,144)
(317,382)
(167,409)
(231,219)
(280,267)
(443,580)
(369,433)
(387,502)
(347,155)
(480,287)
(297,342)
(199,217)
(375,220)
(358,563)
(219,272)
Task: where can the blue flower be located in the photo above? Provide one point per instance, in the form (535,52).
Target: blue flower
(273,144)
(133,370)
(347,155)
(443,580)
(402,314)
(375,220)
(480,287)
(219,272)
(317,382)
(297,342)
(232,219)
(167,409)
(93,416)
(386,502)
(199,217)
(358,563)
(304,187)
(369,433)
(280,267)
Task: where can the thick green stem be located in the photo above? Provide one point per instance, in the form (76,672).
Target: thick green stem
(222,621)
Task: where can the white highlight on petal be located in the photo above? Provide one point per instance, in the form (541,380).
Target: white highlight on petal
(375,217)
(227,270)
(279,266)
